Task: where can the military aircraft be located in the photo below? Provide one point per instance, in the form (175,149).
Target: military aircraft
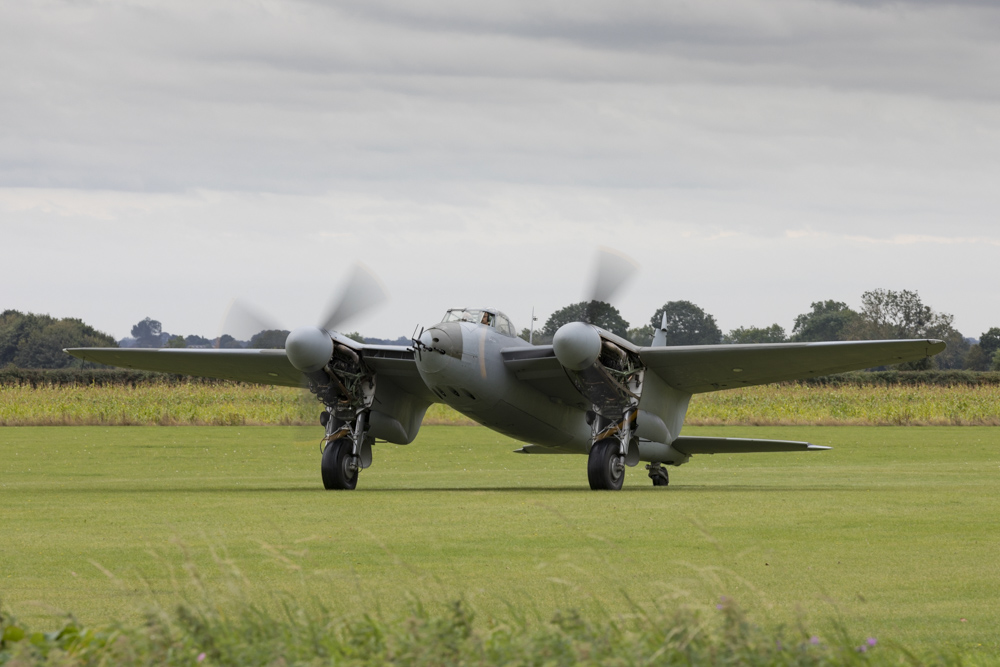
(589,392)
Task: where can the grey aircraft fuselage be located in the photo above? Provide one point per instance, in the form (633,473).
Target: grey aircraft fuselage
(466,370)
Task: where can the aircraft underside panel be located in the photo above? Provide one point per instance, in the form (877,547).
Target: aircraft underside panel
(538,367)
(518,424)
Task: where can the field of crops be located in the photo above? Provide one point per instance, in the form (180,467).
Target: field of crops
(892,405)
(235,404)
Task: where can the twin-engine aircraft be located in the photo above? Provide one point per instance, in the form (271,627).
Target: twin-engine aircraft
(589,392)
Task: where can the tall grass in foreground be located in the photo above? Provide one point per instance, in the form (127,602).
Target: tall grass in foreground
(233,630)
(209,635)
(240,404)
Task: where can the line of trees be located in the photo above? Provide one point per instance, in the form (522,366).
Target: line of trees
(884,315)
(36,341)
(149,333)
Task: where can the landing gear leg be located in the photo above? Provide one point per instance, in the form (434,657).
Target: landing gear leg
(347,451)
(658,474)
(606,465)
(615,446)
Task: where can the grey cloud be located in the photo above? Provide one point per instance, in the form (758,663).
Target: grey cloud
(799,112)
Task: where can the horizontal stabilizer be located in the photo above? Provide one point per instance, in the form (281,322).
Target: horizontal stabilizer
(690,444)
(538,449)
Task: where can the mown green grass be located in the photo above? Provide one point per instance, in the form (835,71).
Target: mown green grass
(235,404)
(895,531)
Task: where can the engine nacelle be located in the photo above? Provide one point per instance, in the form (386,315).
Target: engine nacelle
(577,346)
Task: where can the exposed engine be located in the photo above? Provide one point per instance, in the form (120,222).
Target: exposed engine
(345,384)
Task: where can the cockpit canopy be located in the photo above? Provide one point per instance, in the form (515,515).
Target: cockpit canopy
(487,316)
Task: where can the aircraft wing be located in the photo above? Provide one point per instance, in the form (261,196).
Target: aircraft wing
(702,368)
(260,366)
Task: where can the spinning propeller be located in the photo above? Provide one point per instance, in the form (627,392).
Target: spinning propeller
(309,348)
(577,345)
(613,269)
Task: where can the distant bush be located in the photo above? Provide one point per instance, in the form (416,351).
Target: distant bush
(101,377)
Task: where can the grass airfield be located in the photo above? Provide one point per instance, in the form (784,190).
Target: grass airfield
(895,532)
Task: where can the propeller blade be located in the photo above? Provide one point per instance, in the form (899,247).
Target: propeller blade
(242,321)
(363,291)
(612,271)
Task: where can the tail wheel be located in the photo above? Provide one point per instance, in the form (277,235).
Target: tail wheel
(606,466)
(339,467)
(659,476)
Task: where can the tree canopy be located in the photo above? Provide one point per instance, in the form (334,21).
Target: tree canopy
(990,342)
(828,320)
(269,339)
(745,335)
(37,341)
(889,315)
(148,333)
(598,313)
(687,324)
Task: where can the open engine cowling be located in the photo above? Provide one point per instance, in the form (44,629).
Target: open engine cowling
(607,373)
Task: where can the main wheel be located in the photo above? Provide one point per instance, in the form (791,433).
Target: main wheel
(338,467)
(606,466)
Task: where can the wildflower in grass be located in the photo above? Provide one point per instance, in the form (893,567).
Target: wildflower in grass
(201,656)
(814,640)
(869,643)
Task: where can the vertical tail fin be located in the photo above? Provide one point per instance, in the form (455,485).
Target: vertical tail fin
(660,335)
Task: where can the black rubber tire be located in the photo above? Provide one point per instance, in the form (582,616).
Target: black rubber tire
(605,468)
(661,481)
(335,468)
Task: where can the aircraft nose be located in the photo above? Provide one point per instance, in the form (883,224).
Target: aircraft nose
(439,342)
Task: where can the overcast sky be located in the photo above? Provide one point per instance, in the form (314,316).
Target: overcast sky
(160,158)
